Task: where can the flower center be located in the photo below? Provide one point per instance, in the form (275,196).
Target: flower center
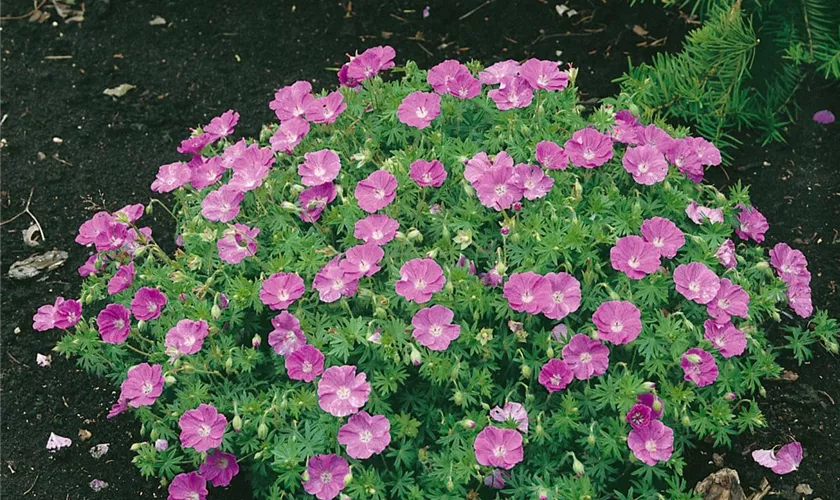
(222,464)
(530,184)
(364,266)
(588,154)
(318,171)
(658,242)
(634,262)
(542,81)
(419,284)
(499,451)
(337,284)
(193,495)
(694,286)
(147,388)
(616,326)
(283,295)
(379,193)
(365,436)
(555,379)
(642,167)
(650,445)
(585,358)
(343,392)
(306,367)
(427,177)
(119,324)
(500,189)
(637,418)
(436,331)
(422,112)
(189,340)
(326,477)
(527,297)
(204,430)
(151,307)
(723,304)
(377,235)
(557,297)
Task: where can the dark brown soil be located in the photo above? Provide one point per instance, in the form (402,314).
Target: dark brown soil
(213,56)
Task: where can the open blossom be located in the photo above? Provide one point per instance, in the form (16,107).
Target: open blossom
(319,167)
(696,282)
(624,130)
(551,156)
(513,92)
(332,282)
(532,181)
(362,260)
(291,101)
(639,416)
(664,235)
(219,468)
(698,214)
(497,447)
(287,336)
(130,213)
(727,339)
(114,323)
(731,300)
(618,321)
(377,191)
(365,435)
(419,109)
(143,385)
(784,461)
(171,176)
(799,298)
(223,125)
(726,254)
(376,229)
(251,169)
(237,242)
(326,109)
(222,205)
(565,295)
(635,257)
(326,475)
(586,357)
(707,152)
(232,154)
(494,74)
(91,266)
(751,224)
(419,280)
(186,337)
(514,412)
(148,303)
(62,314)
(314,200)
(589,148)
(194,144)
(368,64)
(202,428)
(555,375)
(652,443)
(289,134)
(188,486)
(498,189)
(427,173)
(543,75)
(646,164)
(790,264)
(341,391)
(280,290)
(699,367)
(205,172)
(305,363)
(433,327)
(682,153)
(528,292)
(464,86)
(480,164)
(441,75)
(652,135)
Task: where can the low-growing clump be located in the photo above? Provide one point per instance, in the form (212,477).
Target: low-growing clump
(463,284)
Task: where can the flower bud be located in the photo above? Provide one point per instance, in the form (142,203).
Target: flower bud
(380,312)
(435,209)
(517,206)
(349,477)
(526,371)
(161,445)
(228,363)
(170,379)
(458,398)
(543,495)
(573,73)
(215,312)
(730,396)
(762,391)
(832,347)
(141,325)
(415,357)
(432,254)
(577,466)
(237,423)
(258,456)
(256,341)
(692,358)
(154,434)
(686,420)
(136,446)
(414,235)
(463,238)
(649,386)
(288,206)
(450,485)
(262,430)
(762,265)
(590,439)
(504,231)
(468,423)
(549,352)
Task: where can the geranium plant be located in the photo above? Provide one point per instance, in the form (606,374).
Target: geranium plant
(437,286)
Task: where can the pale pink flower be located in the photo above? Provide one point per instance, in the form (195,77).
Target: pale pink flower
(305,363)
(480,164)
(544,75)
(205,172)
(586,357)
(727,339)
(376,229)
(726,254)
(791,265)
(362,260)
(528,292)
(618,321)
(142,386)
(441,75)
(497,447)
(464,86)
(223,125)
(494,74)
(186,337)
(287,336)
(683,154)
(289,134)
(699,367)
(514,92)
(664,235)
(326,109)
(652,443)
(233,153)
(532,181)
(433,327)
(237,242)
(752,224)
(202,428)
(419,280)
(555,375)
(731,300)
(698,214)
(427,173)
(326,476)
(705,151)
(122,279)
(369,63)
(589,148)
(341,391)
(280,290)
(222,205)
(551,156)
(171,176)
(193,145)
(377,191)
(188,486)
(365,435)
(419,109)
(652,135)
(646,164)
(498,188)
(291,101)
(332,282)
(314,200)
(565,295)
(320,167)
(514,412)
(799,299)
(634,257)
(696,282)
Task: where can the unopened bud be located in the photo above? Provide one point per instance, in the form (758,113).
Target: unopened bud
(237,423)
(136,446)
(288,206)
(256,341)
(215,312)
(526,371)
(170,379)
(414,235)
(450,485)
(692,358)
(458,398)
(262,430)
(415,357)
(649,386)
(468,423)
(731,396)
(832,347)
(577,466)
(686,420)
(517,206)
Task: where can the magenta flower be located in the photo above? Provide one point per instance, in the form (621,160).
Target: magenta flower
(188,486)
(314,200)
(586,357)
(419,279)
(427,173)
(291,101)
(639,416)
(222,126)
(731,300)
(251,169)
(186,337)
(618,321)
(727,339)
(543,75)
(726,254)
(824,117)
(441,75)
(219,468)
(280,290)
(222,205)
(148,303)
(699,367)
(705,151)
(799,298)
(91,229)
(528,292)
(341,391)
(492,278)
(696,282)
(319,168)
(513,92)
(142,385)
(464,86)
(791,265)
(63,314)
(202,428)
(494,74)
(551,156)
(514,412)
(589,148)
(418,109)
(698,214)
(498,189)
(114,323)
(171,176)
(555,375)
(326,475)
(657,406)
(786,460)
(664,235)
(287,336)
(237,242)
(532,181)
(646,164)
(91,266)
(305,363)
(497,479)
(289,134)
(376,229)
(326,109)
(652,135)
(194,144)
(232,154)
(205,172)
(565,295)
(332,282)
(683,154)
(635,257)
(497,447)
(752,224)
(377,191)
(130,213)
(362,260)
(369,63)
(652,443)
(433,327)
(480,164)
(626,125)
(365,435)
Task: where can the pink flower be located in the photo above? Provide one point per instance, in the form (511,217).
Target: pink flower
(785,461)
(91,266)
(727,339)
(498,188)
(646,164)
(232,154)
(419,279)
(731,300)
(555,375)
(377,191)
(362,260)
(194,144)
(514,412)
(418,109)
(369,63)
(291,101)
(528,292)
(824,117)
(287,336)
(148,303)
(532,181)
(441,75)
(696,282)
(618,321)
(543,75)
(222,205)
(130,213)
(514,92)
(652,135)
(188,486)
(705,151)
(237,242)
(634,257)
(589,148)
(223,125)
(480,164)
(171,176)
(565,295)
(320,167)
(497,479)
(289,134)
(664,235)
(497,72)
(752,225)
(799,298)
(326,475)
(314,200)
(433,327)
(657,406)
(699,367)
(639,416)
(376,229)
(341,392)
(624,130)
(726,254)
(427,173)
(219,468)
(683,154)
(586,357)
(365,435)
(63,314)
(114,323)
(332,282)
(305,363)
(464,86)
(652,443)
(791,265)
(497,447)
(251,169)
(186,337)
(326,109)
(698,214)
(551,156)
(205,172)
(143,385)
(280,290)
(202,428)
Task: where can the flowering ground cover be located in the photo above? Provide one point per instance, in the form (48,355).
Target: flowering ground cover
(424,174)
